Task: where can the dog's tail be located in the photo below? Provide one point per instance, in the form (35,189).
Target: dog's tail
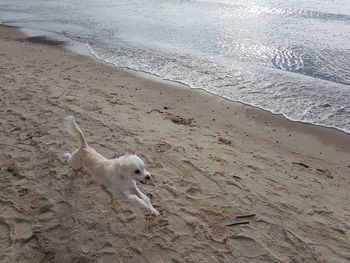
(75,131)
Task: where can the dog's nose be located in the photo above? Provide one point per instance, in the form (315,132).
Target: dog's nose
(148,177)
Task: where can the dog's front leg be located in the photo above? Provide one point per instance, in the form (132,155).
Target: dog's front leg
(140,203)
(145,198)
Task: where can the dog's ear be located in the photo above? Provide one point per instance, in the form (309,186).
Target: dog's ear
(130,151)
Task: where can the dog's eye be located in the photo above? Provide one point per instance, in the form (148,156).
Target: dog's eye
(137,171)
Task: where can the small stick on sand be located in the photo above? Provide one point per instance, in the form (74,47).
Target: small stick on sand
(239,223)
(69,68)
(242,222)
(246,216)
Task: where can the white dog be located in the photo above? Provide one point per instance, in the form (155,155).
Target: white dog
(119,175)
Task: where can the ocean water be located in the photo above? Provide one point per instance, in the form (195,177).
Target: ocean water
(288,57)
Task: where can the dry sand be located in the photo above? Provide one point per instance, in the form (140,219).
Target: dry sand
(212,160)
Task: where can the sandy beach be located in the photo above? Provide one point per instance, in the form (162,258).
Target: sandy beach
(232,183)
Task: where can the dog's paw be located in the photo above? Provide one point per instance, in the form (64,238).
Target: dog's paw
(67,156)
(64,158)
(154,212)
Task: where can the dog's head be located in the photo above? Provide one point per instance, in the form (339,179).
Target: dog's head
(134,167)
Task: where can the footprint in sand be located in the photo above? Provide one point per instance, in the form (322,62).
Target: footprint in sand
(193,190)
(325,173)
(162,147)
(5,240)
(179,226)
(245,246)
(45,215)
(219,233)
(22,231)
(62,208)
(108,258)
(169,193)
(224,141)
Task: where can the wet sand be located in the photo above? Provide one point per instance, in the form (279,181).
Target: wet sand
(212,161)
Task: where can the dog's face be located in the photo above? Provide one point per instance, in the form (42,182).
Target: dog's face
(134,167)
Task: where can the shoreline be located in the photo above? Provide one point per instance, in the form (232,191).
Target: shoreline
(212,161)
(80,49)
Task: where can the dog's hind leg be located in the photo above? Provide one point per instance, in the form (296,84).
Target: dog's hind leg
(72,161)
